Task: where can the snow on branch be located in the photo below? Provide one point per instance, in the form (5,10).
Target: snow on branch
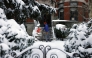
(45,7)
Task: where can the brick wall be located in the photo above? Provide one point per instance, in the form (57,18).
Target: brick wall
(29,20)
(66,11)
(80,12)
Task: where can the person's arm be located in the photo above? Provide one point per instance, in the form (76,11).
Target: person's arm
(43,29)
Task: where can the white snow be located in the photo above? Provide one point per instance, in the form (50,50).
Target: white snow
(19,2)
(89,50)
(82,27)
(35,8)
(60,26)
(2,14)
(4,46)
(23,27)
(60,20)
(54,44)
(52,9)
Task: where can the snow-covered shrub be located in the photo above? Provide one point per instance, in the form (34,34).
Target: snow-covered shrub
(13,37)
(60,31)
(80,39)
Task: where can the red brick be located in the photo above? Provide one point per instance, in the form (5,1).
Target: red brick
(67,11)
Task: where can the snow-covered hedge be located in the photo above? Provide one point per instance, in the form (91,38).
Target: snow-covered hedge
(80,39)
(61,31)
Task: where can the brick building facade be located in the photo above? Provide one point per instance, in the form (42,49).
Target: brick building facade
(75,10)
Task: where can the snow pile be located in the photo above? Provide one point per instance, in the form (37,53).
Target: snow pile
(61,27)
(80,39)
(13,37)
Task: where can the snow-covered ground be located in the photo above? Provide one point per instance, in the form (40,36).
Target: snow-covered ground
(53,44)
(56,49)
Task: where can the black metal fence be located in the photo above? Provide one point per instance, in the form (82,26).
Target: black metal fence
(43,52)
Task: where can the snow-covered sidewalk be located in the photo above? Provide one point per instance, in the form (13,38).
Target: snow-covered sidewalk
(53,44)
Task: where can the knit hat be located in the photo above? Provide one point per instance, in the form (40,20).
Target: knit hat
(45,23)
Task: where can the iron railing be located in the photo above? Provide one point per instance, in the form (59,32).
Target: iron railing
(43,52)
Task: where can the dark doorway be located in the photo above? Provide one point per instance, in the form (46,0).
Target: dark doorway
(47,18)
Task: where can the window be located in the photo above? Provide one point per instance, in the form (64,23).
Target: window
(61,5)
(61,11)
(73,11)
(74,15)
(73,4)
(61,14)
